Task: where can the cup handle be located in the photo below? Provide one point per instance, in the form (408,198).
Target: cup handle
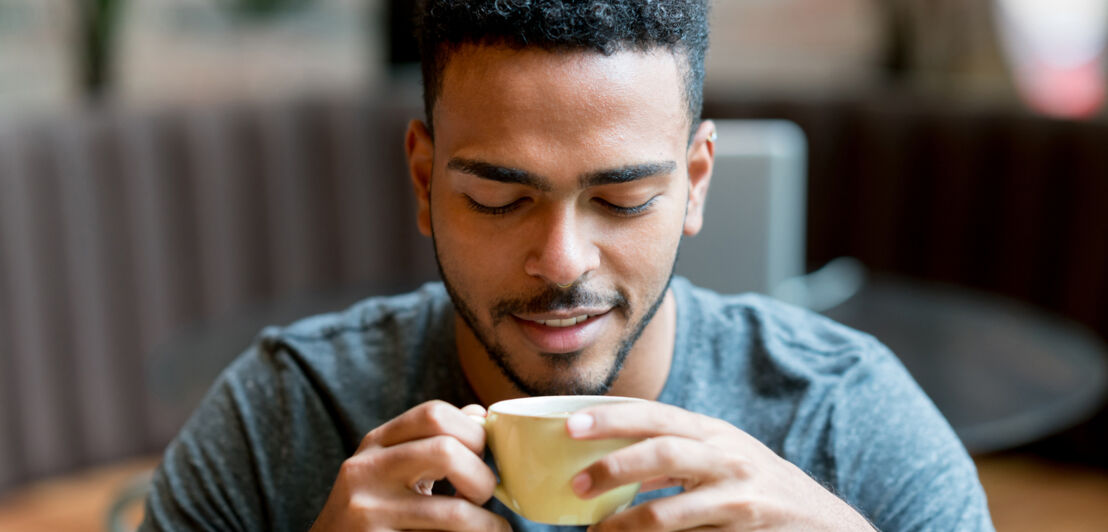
(499,493)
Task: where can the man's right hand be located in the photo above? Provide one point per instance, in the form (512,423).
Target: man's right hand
(386,485)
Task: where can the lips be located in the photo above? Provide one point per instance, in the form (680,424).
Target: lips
(563,334)
(567,322)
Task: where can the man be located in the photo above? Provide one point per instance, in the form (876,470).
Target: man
(562,160)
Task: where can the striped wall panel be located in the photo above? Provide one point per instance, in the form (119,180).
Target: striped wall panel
(119,230)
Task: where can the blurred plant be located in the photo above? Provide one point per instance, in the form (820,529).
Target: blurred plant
(99,19)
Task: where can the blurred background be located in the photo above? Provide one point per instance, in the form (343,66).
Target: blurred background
(177,174)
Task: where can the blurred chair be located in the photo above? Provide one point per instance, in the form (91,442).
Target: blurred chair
(754,233)
(1003,373)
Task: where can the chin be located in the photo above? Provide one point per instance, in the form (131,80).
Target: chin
(570,386)
(566,374)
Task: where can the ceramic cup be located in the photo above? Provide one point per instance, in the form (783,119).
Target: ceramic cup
(536,459)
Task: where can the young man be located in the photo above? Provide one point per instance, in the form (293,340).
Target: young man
(562,160)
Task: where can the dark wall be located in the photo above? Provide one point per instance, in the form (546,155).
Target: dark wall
(992,199)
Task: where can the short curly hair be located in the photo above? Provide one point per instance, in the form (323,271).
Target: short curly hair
(604,26)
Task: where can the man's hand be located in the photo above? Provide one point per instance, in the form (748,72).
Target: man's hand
(731,480)
(386,485)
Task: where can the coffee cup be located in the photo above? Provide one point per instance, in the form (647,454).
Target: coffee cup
(536,459)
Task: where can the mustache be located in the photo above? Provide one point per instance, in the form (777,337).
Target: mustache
(553,298)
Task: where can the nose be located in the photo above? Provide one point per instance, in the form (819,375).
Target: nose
(563,251)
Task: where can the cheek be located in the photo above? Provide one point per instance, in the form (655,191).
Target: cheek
(643,253)
(469,252)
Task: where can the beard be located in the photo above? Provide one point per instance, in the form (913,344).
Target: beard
(549,299)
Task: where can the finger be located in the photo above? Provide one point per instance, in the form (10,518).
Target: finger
(710,528)
(640,420)
(435,458)
(433,418)
(691,461)
(693,510)
(446,513)
(474,410)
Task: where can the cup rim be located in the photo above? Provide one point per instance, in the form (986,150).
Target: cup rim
(555,406)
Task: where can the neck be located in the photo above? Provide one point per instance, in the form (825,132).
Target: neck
(643,375)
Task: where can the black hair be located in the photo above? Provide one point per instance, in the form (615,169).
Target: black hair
(604,26)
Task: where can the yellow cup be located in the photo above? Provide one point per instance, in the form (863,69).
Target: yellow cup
(537,459)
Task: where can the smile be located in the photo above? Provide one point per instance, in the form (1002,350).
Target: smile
(571,331)
(568,322)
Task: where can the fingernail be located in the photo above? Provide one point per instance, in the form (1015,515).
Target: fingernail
(579,423)
(581,483)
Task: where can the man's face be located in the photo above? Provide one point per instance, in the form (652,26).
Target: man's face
(557,198)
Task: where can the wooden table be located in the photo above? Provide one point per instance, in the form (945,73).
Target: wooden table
(1030,494)
(75,503)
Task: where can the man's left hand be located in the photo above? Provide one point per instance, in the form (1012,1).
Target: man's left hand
(731,480)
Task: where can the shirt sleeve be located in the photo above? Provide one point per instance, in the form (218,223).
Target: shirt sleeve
(257,454)
(897,459)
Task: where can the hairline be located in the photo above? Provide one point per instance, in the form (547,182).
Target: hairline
(680,51)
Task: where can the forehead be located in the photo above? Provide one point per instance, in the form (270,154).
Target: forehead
(501,99)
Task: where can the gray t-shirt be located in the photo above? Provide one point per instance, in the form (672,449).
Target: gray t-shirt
(265,446)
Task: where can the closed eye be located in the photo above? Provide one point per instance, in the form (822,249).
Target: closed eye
(634,210)
(497,210)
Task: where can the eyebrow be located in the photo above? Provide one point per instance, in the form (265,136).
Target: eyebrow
(625,174)
(501,174)
(504,174)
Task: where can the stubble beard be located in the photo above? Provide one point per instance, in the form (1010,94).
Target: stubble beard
(553,298)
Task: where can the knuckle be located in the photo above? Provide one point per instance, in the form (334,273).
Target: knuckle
(710,425)
(669,452)
(608,467)
(736,466)
(351,468)
(743,509)
(609,525)
(435,414)
(354,472)
(443,446)
(452,511)
(370,439)
(654,516)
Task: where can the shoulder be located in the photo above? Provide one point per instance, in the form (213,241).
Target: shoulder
(288,410)
(776,335)
(376,316)
(354,339)
(786,372)
(353,368)
(368,352)
(326,360)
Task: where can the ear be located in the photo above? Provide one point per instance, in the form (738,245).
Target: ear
(420,149)
(701,157)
